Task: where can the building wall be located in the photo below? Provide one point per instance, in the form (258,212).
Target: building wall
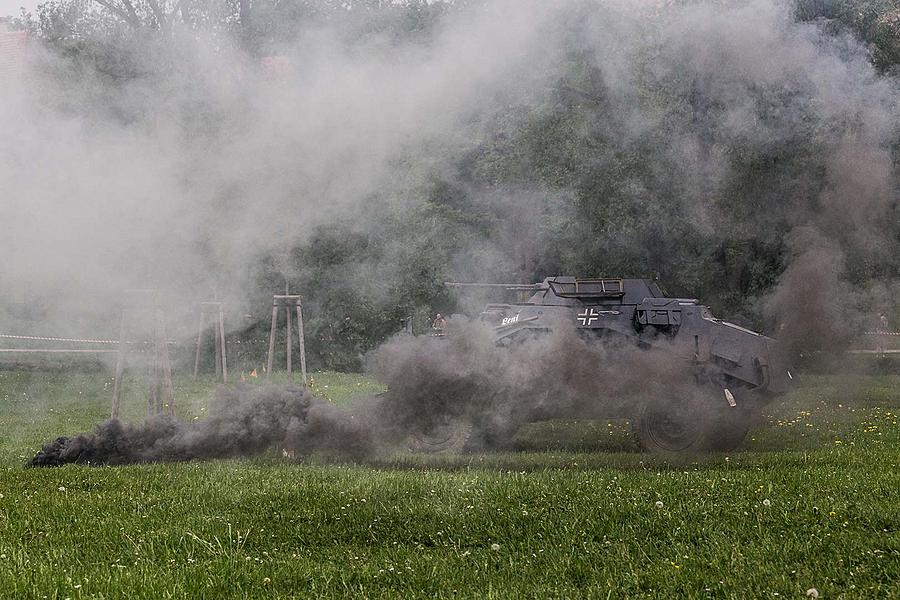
(13,48)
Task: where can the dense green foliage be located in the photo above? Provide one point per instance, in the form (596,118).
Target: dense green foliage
(875,22)
(812,503)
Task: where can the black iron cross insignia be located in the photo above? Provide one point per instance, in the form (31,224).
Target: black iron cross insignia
(588,316)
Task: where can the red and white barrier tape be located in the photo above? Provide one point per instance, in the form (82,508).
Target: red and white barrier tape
(55,339)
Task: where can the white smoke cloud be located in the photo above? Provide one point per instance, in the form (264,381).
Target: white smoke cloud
(186,175)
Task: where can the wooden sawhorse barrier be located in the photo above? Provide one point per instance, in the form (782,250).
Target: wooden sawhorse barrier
(217,311)
(161,398)
(287,302)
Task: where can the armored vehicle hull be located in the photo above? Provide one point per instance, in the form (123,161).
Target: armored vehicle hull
(732,371)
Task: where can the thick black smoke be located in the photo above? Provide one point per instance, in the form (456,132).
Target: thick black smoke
(559,374)
(463,376)
(244,422)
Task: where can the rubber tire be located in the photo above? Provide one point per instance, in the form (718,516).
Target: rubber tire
(728,429)
(691,425)
(494,437)
(451,435)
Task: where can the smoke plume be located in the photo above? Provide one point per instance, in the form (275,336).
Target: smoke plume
(244,422)
(202,164)
(709,142)
(463,379)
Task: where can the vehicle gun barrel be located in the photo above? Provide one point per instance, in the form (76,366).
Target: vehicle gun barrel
(516,287)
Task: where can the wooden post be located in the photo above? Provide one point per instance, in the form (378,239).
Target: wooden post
(288,337)
(302,342)
(218,345)
(168,389)
(120,369)
(153,398)
(199,342)
(222,344)
(271,356)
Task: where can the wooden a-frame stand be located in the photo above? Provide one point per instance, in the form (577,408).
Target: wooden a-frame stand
(161,391)
(217,311)
(287,302)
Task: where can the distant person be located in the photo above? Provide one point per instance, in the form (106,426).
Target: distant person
(882,332)
(439,325)
(406,326)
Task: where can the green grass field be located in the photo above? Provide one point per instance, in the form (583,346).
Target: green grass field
(812,502)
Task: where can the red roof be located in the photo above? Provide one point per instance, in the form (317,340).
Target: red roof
(275,65)
(13,45)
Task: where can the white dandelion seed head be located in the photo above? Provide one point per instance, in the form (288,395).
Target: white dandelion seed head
(659,504)
(495,547)
(812,593)
(767,502)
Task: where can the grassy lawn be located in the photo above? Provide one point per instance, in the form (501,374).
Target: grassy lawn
(813,501)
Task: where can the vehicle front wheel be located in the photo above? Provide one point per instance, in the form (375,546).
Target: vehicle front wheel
(440,433)
(691,422)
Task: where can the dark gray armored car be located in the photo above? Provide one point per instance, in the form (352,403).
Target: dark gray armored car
(734,371)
